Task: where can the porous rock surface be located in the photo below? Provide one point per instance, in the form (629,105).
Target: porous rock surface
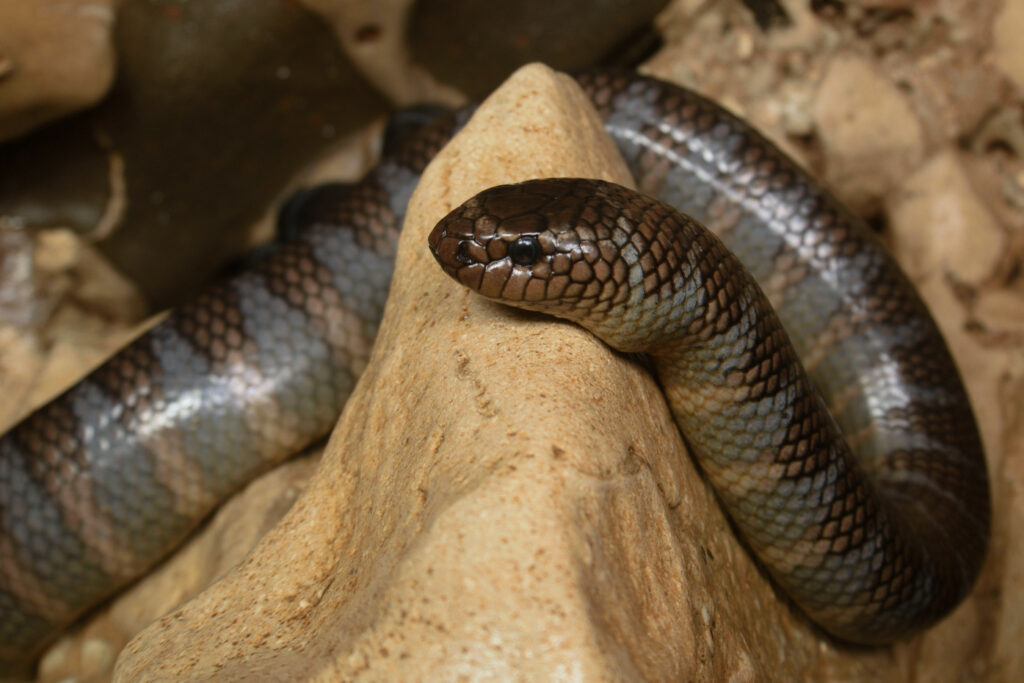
(503,496)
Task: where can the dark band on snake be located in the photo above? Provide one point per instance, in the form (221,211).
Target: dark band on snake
(874,536)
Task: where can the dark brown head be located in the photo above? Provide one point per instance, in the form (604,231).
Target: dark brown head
(532,242)
(578,249)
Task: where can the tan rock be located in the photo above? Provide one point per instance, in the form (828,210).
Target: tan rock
(63,311)
(20,355)
(1008,48)
(1001,312)
(503,497)
(20,363)
(940,225)
(869,133)
(93,282)
(56,57)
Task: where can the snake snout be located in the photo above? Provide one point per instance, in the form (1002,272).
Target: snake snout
(453,245)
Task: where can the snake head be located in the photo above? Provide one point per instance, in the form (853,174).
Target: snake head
(574,248)
(550,245)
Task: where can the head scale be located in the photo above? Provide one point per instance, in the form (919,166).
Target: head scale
(590,251)
(542,244)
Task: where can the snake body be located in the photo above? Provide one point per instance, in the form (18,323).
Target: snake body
(100,483)
(868,558)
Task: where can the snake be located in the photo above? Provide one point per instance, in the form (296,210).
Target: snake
(832,422)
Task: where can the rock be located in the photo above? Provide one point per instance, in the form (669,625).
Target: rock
(216,106)
(1001,313)
(81,332)
(61,176)
(56,57)
(1008,49)
(950,68)
(92,281)
(20,364)
(473,45)
(17,306)
(63,310)
(940,226)
(870,135)
(503,496)
(375,36)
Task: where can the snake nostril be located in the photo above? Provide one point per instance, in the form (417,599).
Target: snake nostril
(462,253)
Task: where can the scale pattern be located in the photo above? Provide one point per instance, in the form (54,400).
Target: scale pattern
(870,550)
(106,479)
(102,482)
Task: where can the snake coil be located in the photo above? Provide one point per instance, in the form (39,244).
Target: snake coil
(106,479)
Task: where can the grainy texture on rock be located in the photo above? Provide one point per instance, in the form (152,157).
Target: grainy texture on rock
(503,496)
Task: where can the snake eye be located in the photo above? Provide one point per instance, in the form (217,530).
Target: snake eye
(524,251)
(462,253)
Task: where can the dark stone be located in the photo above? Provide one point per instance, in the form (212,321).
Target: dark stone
(475,45)
(215,107)
(768,13)
(58,176)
